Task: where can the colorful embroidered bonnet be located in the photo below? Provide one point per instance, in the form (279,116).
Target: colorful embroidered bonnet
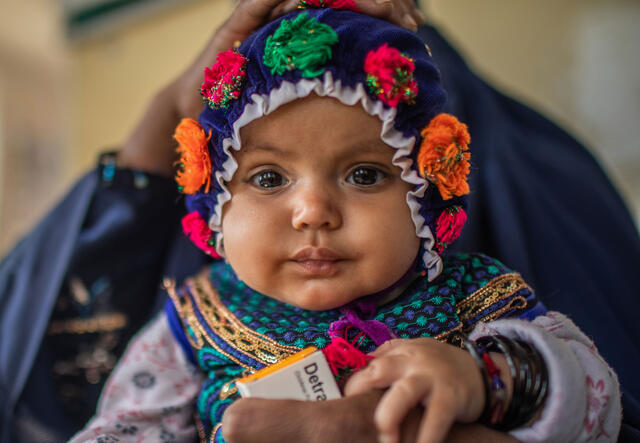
(358,60)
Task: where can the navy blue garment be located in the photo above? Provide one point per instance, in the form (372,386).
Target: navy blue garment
(539,203)
(96,260)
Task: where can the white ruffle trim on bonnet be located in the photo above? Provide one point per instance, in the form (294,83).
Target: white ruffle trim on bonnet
(262,105)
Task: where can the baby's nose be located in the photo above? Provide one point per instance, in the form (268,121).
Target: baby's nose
(315,209)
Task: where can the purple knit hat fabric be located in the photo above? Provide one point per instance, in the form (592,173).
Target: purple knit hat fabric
(342,76)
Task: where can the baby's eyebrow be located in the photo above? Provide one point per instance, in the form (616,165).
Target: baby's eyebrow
(264,148)
(369,146)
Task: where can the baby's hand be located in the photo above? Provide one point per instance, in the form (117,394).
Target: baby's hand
(442,378)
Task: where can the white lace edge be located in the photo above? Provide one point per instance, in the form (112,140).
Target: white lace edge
(263,104)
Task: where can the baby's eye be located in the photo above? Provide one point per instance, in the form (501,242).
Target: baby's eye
(365,176)
(268,179)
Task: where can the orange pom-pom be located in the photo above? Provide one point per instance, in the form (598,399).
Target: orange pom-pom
(444,155)
(195,164)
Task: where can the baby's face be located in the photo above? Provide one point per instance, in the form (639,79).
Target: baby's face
(318,215)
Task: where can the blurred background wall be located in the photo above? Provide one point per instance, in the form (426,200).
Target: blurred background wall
(74,85)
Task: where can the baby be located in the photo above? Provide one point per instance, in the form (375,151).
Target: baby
(324,176)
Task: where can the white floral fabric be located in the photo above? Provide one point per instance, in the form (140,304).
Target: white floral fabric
(150,395)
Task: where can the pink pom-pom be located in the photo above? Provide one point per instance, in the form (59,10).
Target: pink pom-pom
(448,226)
(199,233)
(390,75)
(342,355)
(223,81)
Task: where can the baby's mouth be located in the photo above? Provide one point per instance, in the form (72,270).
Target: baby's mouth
(319,262)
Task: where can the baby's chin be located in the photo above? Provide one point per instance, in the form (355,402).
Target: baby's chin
(319,299)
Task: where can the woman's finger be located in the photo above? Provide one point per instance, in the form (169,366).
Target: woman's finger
(250,14)
(283,8)
(412,8)
(406,13)
(399,12)
(396,403)
(382,9)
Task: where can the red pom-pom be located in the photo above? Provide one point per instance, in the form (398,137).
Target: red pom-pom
(342,355)
(390,75)
(448,226)
(223,81)
(199,233)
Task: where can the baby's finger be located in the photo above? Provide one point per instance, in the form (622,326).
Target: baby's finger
(438,418)
(379,374)
(389,346)
(395,404)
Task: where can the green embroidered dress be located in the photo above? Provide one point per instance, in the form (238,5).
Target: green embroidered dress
(228,330)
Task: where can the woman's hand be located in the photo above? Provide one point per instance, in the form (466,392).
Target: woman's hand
(346,419)
(151,148)
(259,420)
(423,372)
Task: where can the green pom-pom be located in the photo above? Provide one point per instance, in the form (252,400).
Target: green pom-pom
(302,43)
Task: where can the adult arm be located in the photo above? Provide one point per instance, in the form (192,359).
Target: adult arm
(348,418)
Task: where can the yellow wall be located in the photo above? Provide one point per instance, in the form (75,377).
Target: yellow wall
(34,111)
(115,75)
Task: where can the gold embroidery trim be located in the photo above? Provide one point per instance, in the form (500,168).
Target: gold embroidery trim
(185,311)
(188,316)
(227,390)
(446,335)
(226,325)
(99,323)
(498,289)
(212,437)
(231,329)
(200,428)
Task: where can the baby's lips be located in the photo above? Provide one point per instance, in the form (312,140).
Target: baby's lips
(310,253)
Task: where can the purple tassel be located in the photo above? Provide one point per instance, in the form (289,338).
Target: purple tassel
(367,306)
(377,331)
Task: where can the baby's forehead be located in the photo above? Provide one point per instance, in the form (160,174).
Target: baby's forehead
(314,123)
(307,117)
